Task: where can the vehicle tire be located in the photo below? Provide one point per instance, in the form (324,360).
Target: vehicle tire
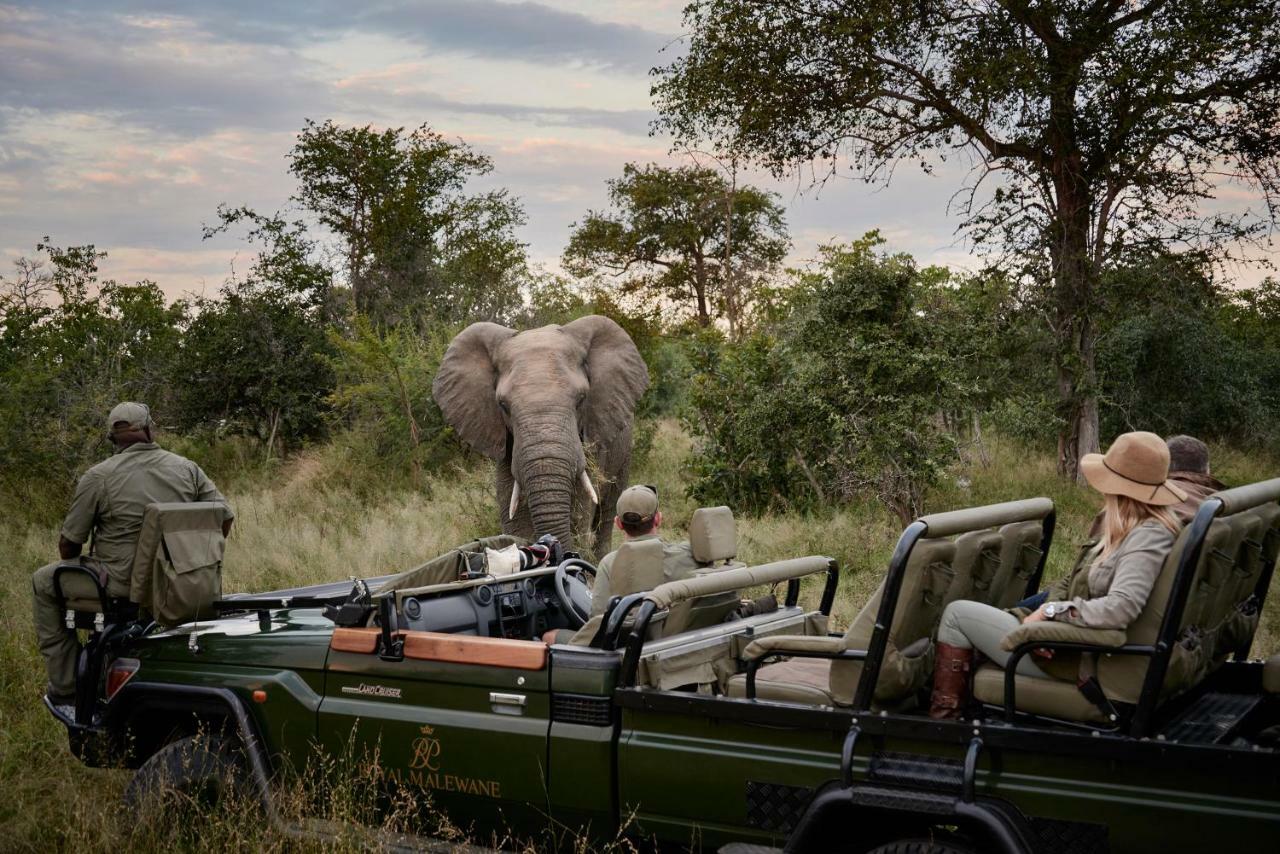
(196,770)
(920,846)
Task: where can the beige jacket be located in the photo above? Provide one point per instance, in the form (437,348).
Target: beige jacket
(1119,585)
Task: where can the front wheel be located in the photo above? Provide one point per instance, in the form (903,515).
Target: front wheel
(202,771)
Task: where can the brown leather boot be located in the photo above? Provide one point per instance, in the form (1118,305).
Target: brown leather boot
(951,667)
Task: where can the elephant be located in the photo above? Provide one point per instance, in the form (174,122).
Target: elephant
(539,403)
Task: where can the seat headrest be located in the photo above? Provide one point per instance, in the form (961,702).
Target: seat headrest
(637,567)
(713,535)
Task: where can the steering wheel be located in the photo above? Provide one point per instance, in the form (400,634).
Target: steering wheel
(572,591)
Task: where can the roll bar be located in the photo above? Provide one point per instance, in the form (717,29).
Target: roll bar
(663,596)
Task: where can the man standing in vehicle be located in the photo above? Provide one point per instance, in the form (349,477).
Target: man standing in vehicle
(639,519)
(108,505)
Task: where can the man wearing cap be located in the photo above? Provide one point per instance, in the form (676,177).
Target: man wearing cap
(639,519)
(108,504)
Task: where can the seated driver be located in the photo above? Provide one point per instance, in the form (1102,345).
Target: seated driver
(639,519)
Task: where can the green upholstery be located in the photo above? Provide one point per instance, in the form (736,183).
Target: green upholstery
(800,680)
(1218,615)
(713,540)
(1019,559)
(925,581)
(80,592)
(713,535)
(1047,631)
(1053,697)
(1271,675)
(736,578)
(177,563)
(989,516)
(976,566)
(994,566)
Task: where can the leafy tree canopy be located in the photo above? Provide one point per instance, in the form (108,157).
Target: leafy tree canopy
(686,235)
(1104,124)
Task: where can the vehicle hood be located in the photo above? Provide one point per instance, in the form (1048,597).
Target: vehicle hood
(296,638)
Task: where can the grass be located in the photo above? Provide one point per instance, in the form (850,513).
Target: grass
(304,522)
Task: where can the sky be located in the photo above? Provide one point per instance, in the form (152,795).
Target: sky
(125,124)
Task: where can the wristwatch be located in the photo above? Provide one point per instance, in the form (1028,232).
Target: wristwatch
(1053,609)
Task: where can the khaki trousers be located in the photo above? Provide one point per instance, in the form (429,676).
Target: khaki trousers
(974,625)
(58,644)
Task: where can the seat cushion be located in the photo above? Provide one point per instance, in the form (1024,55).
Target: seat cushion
(713,535)
(1053,697)
(800,680)
(1271,675)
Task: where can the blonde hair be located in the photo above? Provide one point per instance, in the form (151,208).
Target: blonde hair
(1121,514)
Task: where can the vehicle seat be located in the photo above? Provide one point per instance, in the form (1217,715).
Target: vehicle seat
(713,539)
(994,566)
(1218,618)
(177,565)
(908,659)
(86,602)
(636,568)
(1271,675)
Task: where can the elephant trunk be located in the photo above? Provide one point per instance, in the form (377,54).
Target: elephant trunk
(546,470)
(549,493)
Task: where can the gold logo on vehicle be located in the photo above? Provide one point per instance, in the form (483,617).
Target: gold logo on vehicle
(424,770)
(426,750)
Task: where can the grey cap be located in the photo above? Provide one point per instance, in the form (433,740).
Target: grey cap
(136,416)
(637,504)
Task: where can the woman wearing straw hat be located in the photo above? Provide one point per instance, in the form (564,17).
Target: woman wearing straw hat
(1138,530)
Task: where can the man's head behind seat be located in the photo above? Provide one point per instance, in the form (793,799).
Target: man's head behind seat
(638,510)
(129,422)
(1187,453)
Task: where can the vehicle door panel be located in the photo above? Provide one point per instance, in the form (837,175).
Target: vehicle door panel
(471,736)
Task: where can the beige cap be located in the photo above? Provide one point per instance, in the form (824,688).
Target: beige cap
(637,504)
(135,415)
(1136,465)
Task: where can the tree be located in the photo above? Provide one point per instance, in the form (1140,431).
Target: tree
(71,347)
(255,361)
(845,398)
(684,234)
(411,235)
(1104,122)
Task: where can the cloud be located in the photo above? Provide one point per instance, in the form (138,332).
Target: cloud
(528,31)
(175,78)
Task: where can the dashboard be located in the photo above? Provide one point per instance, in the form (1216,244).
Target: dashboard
(521,606)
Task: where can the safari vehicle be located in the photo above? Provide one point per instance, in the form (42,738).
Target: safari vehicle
(692,729)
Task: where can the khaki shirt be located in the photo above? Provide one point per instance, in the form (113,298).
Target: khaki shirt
(1119,585)
(677,563)
(111,497)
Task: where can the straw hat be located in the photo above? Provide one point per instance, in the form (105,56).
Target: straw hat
(1136,465)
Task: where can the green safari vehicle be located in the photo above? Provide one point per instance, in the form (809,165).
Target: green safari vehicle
(684,725)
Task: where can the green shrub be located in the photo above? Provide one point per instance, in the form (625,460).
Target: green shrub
(846,400)
(389,424)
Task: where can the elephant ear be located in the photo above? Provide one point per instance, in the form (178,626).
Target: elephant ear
(616,373)
(466,387)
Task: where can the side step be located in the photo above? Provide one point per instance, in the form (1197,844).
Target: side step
(747,848)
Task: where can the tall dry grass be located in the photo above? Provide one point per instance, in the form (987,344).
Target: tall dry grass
(313,519)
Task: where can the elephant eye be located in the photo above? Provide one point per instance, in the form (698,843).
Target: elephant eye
(502,404)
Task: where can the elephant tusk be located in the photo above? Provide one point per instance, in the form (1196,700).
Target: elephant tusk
(591,490)
(515,500)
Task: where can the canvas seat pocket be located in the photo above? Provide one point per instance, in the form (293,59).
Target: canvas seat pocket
(189,578)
